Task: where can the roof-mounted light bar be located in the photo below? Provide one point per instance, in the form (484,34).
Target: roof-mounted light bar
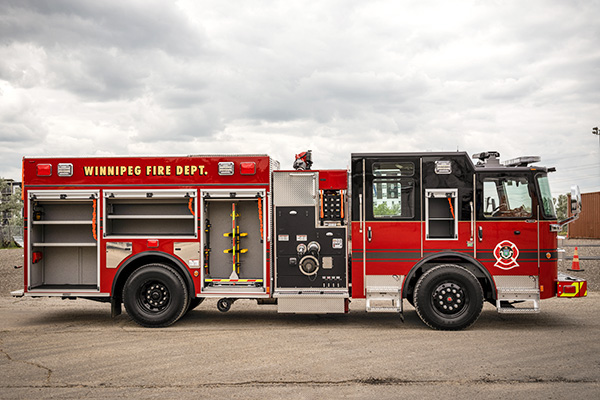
(522,161)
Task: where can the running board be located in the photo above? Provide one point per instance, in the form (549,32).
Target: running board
(382,299)
(518,301)
(312,302)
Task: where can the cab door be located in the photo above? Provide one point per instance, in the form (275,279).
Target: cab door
(386,225)
(507,224)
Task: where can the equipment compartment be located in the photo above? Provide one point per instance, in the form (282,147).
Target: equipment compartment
(226,268)
(150,213)
(441,213)
(63,241)
(65,267)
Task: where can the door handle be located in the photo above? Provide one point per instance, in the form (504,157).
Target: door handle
(517,232)
(480,233)
(369,234)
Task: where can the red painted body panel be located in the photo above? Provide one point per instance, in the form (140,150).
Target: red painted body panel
(548,260)
(395,248)
(149,171)
(134,173)
(333,179)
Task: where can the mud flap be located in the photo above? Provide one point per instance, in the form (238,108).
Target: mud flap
(115,307)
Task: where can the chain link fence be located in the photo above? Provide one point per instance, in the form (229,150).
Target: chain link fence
(11,236)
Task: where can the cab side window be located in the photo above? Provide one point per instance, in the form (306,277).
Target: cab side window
(393,190)
(506,197)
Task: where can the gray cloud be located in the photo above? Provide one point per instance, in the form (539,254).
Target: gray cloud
(128,25)
(153,77)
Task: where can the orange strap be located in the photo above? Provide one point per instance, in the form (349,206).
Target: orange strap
(322,212)
(342,204)
(451,208)
(94,220)
(260,217)
(190,206)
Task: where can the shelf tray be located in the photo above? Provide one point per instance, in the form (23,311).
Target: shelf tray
(150,216)
(93,244)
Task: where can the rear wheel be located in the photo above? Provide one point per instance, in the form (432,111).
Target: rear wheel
(448,297)
(155,295)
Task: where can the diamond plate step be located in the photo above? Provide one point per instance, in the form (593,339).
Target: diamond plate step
(384,301)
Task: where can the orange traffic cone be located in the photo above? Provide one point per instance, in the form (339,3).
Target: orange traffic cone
(575,266)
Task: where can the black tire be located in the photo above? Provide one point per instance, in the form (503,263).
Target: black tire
(224,305)
(155,296)
(448,297)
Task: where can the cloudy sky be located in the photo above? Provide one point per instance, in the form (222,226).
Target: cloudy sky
(118,77)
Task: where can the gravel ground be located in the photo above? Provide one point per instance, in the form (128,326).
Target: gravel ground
(12,279)
(585,248)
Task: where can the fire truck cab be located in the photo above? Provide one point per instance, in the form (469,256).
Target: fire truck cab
(448,235)
(161,234)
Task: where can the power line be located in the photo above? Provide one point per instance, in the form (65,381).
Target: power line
(575,178)
(583,166)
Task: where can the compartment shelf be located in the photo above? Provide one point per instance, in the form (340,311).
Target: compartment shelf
(65,244)
(163,214)
(65,222)
(149,216)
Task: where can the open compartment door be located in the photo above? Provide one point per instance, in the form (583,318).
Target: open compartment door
(234,241)
(62,242)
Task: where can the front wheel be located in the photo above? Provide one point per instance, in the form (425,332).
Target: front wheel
(155,295)
(448,297)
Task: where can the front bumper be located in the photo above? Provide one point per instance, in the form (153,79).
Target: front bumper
(569,286)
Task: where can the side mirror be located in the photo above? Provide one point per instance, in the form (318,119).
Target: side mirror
(575,210)
(575,200)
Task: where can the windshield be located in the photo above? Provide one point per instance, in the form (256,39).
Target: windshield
(547,203)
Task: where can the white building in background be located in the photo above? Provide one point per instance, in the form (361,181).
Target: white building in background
(11,188)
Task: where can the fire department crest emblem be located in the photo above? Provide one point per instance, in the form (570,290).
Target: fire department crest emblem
(506,253)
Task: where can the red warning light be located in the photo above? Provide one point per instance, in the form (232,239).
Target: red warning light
(44,169)
(248,168)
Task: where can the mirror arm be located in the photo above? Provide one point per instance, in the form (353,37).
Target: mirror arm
(558,227)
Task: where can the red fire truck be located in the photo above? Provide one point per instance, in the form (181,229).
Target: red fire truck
(161,234)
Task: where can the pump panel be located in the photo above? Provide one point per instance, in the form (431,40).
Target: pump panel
(310,234)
